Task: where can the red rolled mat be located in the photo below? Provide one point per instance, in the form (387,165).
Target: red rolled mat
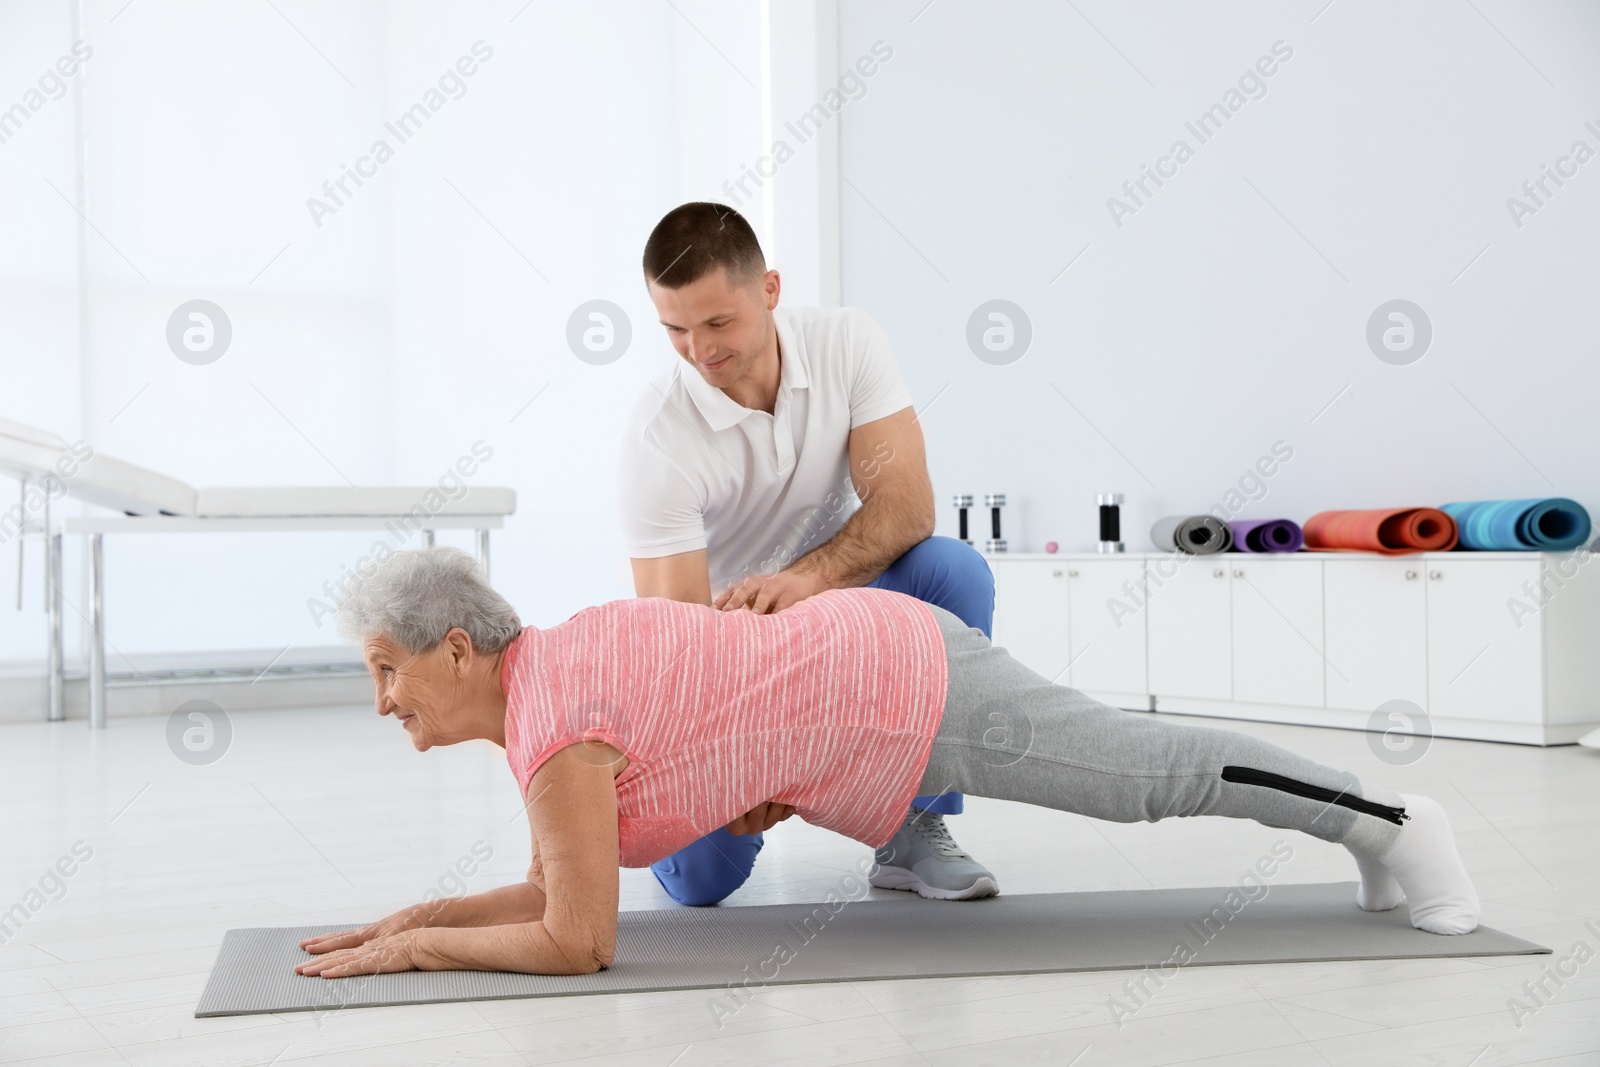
(1391,532)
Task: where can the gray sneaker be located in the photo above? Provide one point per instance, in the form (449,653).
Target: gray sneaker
(923,858)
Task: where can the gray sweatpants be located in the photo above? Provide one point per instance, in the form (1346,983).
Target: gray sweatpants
(1010,734)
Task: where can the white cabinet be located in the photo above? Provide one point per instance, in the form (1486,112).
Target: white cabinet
(1056,617)
(1277,630)
(1189,630)
(1491,645)
(1238,627)
(1377,631)
(1031,617)
(1106,633)
(1481,664)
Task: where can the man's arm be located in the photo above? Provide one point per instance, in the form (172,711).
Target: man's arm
(889,468)
(685,576)
(663,511)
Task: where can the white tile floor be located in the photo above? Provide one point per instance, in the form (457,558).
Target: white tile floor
(329,816)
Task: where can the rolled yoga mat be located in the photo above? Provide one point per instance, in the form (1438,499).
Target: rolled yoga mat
(736,951)
(1267,535)
(1548,524)
(1391,532)
(1198,535)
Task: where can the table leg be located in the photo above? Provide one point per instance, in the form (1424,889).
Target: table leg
(52,595)
(97,638)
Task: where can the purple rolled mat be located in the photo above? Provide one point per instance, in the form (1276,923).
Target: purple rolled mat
(1267,535)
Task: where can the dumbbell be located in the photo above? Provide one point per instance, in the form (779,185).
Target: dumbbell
(994,502)
(1110,522)
(962,502)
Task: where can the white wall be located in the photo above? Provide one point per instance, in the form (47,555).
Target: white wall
(38,272)
(380,345)
(586,129)
(1209,325)
(1225,314)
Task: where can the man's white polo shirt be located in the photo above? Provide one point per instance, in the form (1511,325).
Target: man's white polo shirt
(699,470)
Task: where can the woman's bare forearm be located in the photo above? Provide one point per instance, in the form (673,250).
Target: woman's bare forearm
(507,904)
(526,948)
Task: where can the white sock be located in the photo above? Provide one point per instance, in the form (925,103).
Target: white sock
(1378,890)
(1425,867)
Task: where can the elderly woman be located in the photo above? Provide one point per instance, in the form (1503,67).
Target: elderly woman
(636,727)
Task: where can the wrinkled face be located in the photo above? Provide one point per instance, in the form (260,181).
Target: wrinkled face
(717,327)
(422,690)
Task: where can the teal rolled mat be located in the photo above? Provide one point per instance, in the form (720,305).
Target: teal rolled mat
(1548,524)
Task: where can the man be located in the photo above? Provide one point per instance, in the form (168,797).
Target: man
(739,472)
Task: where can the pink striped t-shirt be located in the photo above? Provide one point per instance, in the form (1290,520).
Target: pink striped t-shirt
(830,705)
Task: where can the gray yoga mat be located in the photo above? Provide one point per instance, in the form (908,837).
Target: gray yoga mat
(1198,535)
(735,950)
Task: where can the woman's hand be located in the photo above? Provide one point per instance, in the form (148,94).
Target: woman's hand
(405,919)
(379,955)
(764,816)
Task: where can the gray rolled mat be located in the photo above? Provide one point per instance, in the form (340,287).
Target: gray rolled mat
(1198,535)
(734,950)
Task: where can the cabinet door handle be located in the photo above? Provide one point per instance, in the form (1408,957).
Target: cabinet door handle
(1072,574)
(1238,574)
(1435,575)
(1056,573)
(1218,573)
(1411,576)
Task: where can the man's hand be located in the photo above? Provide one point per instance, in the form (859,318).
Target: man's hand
(767,595)
(763,816)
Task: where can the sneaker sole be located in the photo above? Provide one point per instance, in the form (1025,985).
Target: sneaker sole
(901,878)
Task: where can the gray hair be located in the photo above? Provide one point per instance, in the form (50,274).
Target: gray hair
(414,598)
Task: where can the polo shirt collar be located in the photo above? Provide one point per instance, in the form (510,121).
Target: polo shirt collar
(794,373)
(720,410)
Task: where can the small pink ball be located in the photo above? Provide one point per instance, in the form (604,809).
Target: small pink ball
(1050,546)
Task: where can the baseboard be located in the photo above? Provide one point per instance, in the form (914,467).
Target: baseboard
(158,684)
(1117,699)
(1517,733)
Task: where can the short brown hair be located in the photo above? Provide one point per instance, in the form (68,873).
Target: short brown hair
(695,239)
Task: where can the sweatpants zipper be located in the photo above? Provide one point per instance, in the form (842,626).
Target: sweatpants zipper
(1268,780)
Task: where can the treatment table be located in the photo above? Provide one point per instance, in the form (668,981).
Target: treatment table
(149,502)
